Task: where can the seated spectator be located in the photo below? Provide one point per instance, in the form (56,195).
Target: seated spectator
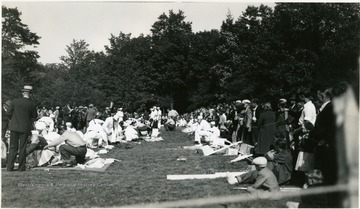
(130,132)
(182,122)
(202,129)
(264,181)
(212,134)
(74,146)
(143,127)
(280,161)
(170,124)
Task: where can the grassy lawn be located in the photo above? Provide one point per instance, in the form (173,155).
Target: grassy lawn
(139,178)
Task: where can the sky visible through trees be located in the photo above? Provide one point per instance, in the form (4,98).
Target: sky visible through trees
(266,53)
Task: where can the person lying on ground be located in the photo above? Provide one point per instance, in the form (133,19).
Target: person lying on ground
(265,185)
(74,146)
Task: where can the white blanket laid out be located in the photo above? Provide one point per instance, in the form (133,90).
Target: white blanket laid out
(202,176)
(96,163)
(153,139)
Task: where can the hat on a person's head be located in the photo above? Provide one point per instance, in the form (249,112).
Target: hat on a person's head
(238,101)
(282,101)
(91,105)
(57,107)
(246,101)
(27,88)
(260,161)
(212,123)
(40,125)
(68,124)
(80,107)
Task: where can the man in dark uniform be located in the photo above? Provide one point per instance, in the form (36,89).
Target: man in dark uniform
(23,114)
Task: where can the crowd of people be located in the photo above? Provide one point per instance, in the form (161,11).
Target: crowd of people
(66,131)
(292,140)
(295,138)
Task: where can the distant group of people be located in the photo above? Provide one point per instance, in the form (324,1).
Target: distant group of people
(70,131)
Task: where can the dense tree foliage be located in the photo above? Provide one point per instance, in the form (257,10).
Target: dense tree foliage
(17,63)
(265,52)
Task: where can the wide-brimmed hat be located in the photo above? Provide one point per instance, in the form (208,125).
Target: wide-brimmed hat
(27,88)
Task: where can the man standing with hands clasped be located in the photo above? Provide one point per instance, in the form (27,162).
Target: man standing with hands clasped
(23,114)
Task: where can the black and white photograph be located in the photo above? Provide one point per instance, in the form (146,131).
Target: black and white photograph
(180,104)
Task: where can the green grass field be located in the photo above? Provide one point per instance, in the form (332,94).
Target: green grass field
(140,178)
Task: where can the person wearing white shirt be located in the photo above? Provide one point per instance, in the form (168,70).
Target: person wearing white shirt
(213,133)
(309,111)
(95,132)
(202,129)
(49,122)
(120,114)
(130,132)
(112,129)
(159,114)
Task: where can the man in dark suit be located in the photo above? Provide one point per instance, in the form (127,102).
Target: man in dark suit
(23,113)
(256,110)
(325,152)
(90,114)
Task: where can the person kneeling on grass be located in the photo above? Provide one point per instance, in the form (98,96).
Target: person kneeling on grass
(170,124)
(74,146)
(264,181)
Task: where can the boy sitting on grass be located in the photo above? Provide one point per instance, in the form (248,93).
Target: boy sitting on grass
(264,181)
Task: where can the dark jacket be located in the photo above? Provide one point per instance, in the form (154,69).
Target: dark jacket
(23,114)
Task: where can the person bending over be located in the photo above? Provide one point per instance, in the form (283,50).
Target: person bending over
(264,181)
(170,124)
(74,146)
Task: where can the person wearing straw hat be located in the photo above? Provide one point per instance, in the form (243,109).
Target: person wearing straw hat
(264,181)
(23,114)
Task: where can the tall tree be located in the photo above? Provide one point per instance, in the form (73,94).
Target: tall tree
(170,56)
(17,61)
